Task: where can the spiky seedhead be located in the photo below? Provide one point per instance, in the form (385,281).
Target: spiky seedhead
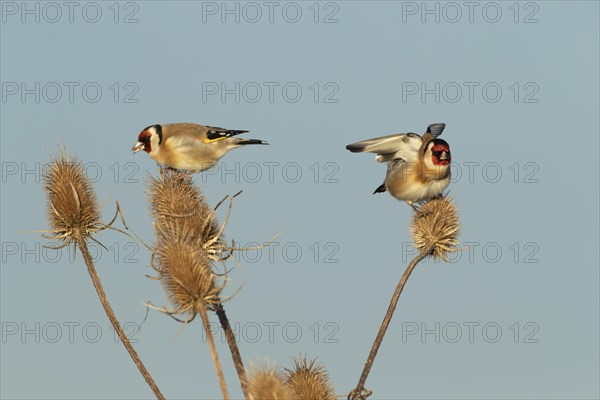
(73,210)
(174,198)
(185,271)
(436,225)
(309,380)
(267,383)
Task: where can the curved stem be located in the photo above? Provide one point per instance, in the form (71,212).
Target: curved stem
(359,393)
(113,319)
(213,352)
(233,347)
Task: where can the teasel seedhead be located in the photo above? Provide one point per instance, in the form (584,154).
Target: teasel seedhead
(309,380)
(73,210)
(436,226)
(173,197)
(267,383)
(185,270)
(176,201)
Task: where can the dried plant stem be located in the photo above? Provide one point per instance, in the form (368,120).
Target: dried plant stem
(359,393)
(233,347)
(213,352)
(113,319)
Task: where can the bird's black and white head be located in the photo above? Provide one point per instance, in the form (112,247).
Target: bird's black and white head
(437,154)
(149,139)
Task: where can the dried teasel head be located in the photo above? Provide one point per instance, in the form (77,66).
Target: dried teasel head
(267,383)
(309,380)
(174,199)
(73,209)
(436,226)
(185,271)
(189,240)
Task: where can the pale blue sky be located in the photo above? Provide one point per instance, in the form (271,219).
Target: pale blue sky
(520,97)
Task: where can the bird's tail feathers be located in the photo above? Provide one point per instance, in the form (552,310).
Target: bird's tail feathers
(380,189)
(243,142)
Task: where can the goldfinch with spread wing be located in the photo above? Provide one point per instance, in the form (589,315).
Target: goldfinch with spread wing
(189,147)
(418,168)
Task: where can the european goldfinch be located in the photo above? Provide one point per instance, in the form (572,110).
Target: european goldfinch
(189,147)
(418,167)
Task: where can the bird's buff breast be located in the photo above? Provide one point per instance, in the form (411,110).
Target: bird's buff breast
(408,184)
(184,156)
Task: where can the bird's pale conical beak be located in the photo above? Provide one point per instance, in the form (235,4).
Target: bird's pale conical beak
(137,147)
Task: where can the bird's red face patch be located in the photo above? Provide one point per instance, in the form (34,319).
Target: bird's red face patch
(440,153)
(144,137)
(441,147)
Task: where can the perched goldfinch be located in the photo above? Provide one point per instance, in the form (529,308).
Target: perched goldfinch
(418,167)
(189,147)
